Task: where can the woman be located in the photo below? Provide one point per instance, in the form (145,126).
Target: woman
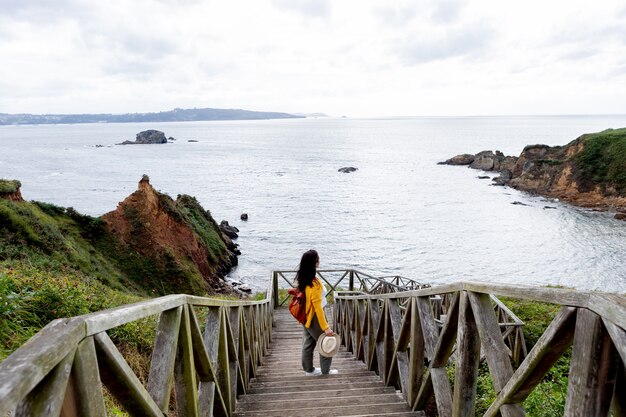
(316,323)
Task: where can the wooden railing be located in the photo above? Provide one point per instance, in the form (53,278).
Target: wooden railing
(355,282)
(409,337)
(397,335)
(62,369)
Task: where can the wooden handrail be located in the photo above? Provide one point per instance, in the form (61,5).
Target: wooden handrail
(396,335)
(61,370)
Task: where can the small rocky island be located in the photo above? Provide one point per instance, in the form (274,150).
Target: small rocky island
(148,137)
(589,172)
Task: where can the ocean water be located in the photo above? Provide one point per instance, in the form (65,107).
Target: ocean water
(399,214)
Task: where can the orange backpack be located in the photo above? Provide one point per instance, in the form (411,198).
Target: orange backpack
(297,305)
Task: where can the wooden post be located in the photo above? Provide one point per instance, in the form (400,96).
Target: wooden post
(121,381)
(87,384)
(468,357)
(592,371)
(495,350)
(161,375)
(210,398)
(47,397)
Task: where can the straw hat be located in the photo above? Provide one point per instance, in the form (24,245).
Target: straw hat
(328,346)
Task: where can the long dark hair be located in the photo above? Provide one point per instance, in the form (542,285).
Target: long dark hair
(307,268)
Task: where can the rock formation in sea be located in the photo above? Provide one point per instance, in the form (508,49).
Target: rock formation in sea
(148,137)
(347,170)
(179,244)
(590,171)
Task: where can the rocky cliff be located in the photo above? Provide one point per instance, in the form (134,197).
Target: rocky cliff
(590,171)
(181,249)
(150,245)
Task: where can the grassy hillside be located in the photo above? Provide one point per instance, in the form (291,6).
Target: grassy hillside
(603,161)
(56,262)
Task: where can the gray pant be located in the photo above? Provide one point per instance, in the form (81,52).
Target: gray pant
(309,340)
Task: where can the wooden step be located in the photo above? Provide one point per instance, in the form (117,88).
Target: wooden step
(335,392)
(272,405)
(280,387)
(329,410)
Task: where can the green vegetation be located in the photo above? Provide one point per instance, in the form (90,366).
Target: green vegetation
(202,224)
(602,160)
(32,296)
(548,398)
(9,186)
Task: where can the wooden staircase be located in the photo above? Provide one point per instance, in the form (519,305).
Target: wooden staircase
(281,389)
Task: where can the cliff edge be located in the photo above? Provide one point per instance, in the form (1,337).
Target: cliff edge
(590,171)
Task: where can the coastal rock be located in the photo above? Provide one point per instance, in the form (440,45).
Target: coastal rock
(586,172)
(483,177)
(147,137)
(484,161)
(463,159)
(347,170)
(228,230)
(192,141)
(505,176)
(171,139)
(620,216)
(519,203)
(244,216)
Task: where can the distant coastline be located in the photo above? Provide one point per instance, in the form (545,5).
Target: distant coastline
(176,115)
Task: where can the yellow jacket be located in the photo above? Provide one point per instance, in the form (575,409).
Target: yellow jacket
(314,298)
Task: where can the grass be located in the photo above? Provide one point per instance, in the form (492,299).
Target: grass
(603,160)
(9,186)
(32,296)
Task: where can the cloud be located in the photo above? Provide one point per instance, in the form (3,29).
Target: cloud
(398,15)
(447,11)
(312,8)
(450,43)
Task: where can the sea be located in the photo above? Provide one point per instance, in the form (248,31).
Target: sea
(399,214)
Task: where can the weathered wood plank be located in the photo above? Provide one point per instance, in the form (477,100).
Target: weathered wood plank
(495,350)
(416,353)
(184,370)
(161,376)
(107,319)
(468,356)
(210,398)
(401,334)
(217,302)
(548,349)
(46,399)
(592,371)
(87,384)
(223,368)
(618,335)
(25,368)
(121,381)
(436,379)
(201,356)
(232,325)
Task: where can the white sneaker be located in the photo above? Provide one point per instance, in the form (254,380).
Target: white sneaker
(333,372)
(316,372)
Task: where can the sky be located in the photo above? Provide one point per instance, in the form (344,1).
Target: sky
(360,58)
